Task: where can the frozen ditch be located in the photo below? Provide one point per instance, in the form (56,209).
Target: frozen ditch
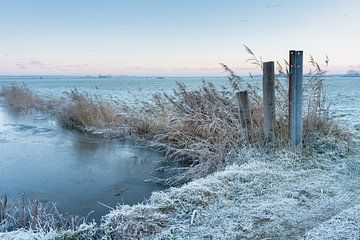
(43,161)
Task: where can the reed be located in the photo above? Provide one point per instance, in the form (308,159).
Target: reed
(20,98)
(34,215)
(199,129)
(80,110)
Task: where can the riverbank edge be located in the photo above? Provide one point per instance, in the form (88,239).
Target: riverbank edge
(271,195)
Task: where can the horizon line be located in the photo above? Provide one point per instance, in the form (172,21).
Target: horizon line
(149,76)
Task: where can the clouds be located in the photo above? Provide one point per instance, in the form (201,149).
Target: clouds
(357,67)
(35,65)
(39,66)
(275,5)
(24,63)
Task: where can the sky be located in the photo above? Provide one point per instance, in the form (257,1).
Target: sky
(172,37)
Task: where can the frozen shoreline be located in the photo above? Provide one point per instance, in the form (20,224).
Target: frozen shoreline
(270,196)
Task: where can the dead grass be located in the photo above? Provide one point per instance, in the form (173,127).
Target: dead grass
(36,216)
(80,110)
(19,97)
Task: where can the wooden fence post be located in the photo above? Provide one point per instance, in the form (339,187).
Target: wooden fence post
(295,97)
(245,114)
(269,100)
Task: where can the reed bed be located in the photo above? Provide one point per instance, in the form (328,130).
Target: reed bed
(197,129)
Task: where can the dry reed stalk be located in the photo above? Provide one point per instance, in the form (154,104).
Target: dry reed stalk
(19,97)
(84,111)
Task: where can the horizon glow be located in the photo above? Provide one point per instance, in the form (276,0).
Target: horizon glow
(172,38)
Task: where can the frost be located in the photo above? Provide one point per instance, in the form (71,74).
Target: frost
(272,195)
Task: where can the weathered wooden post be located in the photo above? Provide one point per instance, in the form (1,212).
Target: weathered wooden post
(245,114)
(241,111)
(295,97)
(269,100)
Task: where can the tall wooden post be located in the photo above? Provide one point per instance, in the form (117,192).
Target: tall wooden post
(245,114)
(295,97)
(269,100)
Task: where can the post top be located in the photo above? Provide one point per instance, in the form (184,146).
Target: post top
(296,51)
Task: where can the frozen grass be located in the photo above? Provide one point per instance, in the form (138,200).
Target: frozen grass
(343,226)
(275,195)
(272,196)
(84,231)
(36,216)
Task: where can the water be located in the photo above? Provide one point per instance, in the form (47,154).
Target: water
(75,170)
(344,98)
(342,91)
(78,170)
(118,88)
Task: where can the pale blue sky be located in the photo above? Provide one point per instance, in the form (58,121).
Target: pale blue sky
(168,37)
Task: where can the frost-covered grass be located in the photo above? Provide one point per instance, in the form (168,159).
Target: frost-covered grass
(345,225)
(37,217)
(84,231)
(273,195)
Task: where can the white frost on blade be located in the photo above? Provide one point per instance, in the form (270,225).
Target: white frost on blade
(270,196)
(345,225)
(27,235)
(260,199)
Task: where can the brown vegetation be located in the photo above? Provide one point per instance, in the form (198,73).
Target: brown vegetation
(19,97)
(80,110)
(201,128)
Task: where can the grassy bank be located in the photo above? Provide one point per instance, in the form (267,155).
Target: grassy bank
(271,196)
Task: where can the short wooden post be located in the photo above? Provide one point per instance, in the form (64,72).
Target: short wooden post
(241,112)
(245,114)
(269,100)
(295,97)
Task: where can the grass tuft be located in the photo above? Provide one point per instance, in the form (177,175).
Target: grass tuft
(80,110)
(19,97)
(36,216)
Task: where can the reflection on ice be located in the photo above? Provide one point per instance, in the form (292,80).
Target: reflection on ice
(75,170)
